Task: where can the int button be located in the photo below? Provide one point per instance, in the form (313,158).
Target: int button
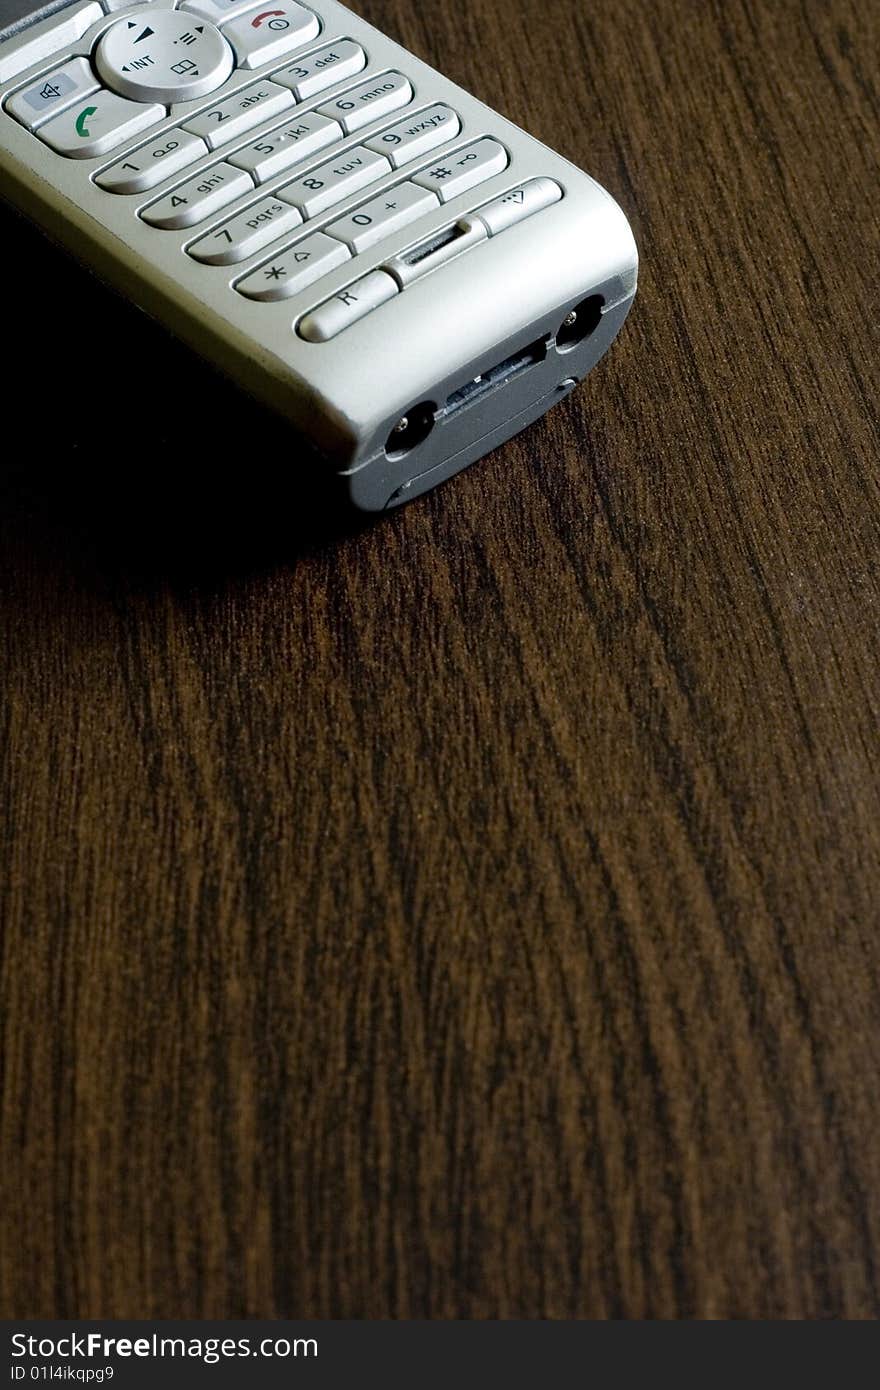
(346,307)
(161,55)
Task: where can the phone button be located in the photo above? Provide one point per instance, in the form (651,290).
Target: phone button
(246,234)
(391,211)
(52,92)
(199,198)
(332,64)
(97,124)
(347,307)
(161,55)
(417,135)
(517,204)
(337,179)
(294,268)
(41,41)
(369,101)
(145,168)
(458,172)
(274,152)
(240,113)
(270,32)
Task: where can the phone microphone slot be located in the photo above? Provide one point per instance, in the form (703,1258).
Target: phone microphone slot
(434,244)
(436,250)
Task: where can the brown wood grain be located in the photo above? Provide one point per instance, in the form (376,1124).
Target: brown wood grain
(476,913)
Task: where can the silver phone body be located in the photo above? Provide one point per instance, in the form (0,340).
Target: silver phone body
(489,318)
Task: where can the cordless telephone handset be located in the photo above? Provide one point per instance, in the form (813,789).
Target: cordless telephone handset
(399,271)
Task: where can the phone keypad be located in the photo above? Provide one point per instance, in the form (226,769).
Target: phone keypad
(275,129)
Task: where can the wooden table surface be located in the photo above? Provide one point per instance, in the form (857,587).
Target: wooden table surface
(474,913)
